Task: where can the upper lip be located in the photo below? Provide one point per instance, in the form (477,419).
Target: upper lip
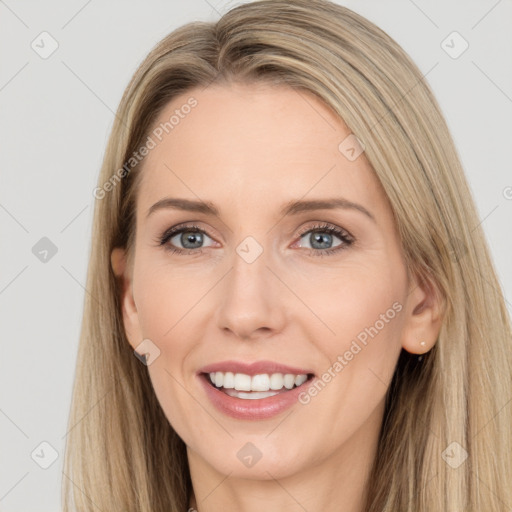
(256,368)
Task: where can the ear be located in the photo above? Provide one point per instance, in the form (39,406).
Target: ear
(424,314)
(124,277)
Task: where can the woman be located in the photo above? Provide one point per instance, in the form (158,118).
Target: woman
(285,240)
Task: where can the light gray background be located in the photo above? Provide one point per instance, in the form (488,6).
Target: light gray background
(56,114)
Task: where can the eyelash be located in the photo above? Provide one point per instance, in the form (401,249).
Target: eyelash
(344,236)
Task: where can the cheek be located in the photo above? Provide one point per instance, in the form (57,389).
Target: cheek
(365,310)
(170,306)
(351,301)
(168,298)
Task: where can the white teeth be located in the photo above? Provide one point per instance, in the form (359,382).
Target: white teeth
(289,381)
(229,381)
(242,382)
(276,381)
(252,395)
(300,379)
(259,384)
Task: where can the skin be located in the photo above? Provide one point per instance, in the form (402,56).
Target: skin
(249,149)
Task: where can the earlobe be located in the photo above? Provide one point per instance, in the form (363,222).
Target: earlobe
(118,260)
(424,317)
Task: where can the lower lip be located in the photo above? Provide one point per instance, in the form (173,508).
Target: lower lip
(247,409)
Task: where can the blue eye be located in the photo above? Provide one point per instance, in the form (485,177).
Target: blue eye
(190,237)
(321,239)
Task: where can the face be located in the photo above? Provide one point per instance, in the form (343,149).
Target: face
(298,271)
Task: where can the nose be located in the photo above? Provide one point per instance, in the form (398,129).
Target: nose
(251,300)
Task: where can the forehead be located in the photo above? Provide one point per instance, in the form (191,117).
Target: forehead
(252,144)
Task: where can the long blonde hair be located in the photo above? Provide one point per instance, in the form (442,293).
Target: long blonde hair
(123,455)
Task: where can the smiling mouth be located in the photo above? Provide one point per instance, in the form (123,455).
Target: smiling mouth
(251,387)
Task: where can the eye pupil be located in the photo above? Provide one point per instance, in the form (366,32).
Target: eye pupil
(196,239)
(323,239)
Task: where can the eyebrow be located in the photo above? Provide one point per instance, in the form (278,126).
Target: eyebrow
(290,208)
